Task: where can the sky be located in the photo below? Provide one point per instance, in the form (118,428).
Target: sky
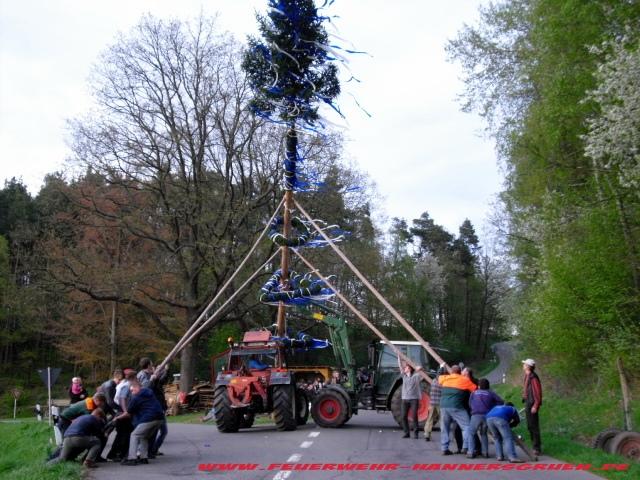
(421,151)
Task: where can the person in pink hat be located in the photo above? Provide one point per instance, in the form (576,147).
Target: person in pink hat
(77,392)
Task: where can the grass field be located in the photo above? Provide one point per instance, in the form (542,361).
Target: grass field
(24,445)
(569,422)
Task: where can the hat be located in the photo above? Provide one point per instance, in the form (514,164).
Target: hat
(127,371)
(530,362)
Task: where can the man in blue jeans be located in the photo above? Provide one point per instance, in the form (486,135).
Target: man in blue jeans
(481,402)
(500,419)
(455,395)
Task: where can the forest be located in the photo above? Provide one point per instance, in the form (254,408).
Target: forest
(168,186)
(171,178)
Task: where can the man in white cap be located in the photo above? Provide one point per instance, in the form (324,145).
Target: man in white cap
(532,398)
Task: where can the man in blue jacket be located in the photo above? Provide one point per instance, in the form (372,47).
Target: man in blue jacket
(481,401)
(84,433)
(500,419)
(147,416)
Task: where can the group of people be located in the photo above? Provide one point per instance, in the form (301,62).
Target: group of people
(468,409)
(131,404)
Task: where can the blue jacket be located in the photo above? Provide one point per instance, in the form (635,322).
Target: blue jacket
(481,401)
(145,407)
(506,412)
(85,426)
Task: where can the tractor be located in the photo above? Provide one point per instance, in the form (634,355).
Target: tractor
(378,387)
(255,380)
(258,375)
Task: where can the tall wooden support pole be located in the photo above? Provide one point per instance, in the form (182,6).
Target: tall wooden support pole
(284,260)
(372,289)
(362,318)
(289,176)
(626,397)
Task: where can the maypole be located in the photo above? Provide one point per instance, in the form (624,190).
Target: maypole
(290,73)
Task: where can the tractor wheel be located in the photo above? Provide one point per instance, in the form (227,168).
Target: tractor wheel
(329,409)
(246,419)
(603,439)
(626,444)
(284,407)
(302,407)
(226,418)
(423,407)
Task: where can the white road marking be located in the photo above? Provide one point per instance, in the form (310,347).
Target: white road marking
(314,434)
(294,458)
(282,475)
(306,444)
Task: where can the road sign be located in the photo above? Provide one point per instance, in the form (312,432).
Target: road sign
(44,375)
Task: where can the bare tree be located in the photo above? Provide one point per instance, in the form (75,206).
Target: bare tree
(195,172)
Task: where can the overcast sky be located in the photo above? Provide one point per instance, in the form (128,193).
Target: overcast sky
(420,150)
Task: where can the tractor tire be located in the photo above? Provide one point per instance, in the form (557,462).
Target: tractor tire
(284,407)
(626,444)
(329,409)
(423,407)
(603,439)
(246,419)
(302,407)
(226,418)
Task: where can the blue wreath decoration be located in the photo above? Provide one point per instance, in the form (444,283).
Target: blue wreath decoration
(279,239)
(305,290)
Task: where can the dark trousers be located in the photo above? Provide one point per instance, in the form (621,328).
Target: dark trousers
(413,405)
(533,424)
(120,447)
(74,446)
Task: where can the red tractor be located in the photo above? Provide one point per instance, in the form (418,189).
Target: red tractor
(255,380)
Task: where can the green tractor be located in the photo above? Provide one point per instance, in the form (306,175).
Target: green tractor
(378,387)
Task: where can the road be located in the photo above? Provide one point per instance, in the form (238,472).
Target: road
(505,354)
(368,438)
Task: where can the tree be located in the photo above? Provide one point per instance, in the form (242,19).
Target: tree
(181,165)
(529,69)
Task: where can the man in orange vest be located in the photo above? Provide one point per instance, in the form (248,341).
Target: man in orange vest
(455,396)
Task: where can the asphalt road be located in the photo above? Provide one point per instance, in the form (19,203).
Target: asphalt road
(505,354)
(369,438)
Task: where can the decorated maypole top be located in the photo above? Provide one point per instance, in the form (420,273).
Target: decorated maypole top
(290,71)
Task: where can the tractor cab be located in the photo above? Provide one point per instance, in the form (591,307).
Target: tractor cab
(383,363)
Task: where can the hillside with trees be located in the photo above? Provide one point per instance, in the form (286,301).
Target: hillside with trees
(557,83)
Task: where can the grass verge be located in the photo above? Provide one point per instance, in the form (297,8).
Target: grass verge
(568,424)
(25,445)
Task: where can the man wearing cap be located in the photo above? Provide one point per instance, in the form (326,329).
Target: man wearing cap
(80,408)
(532,398)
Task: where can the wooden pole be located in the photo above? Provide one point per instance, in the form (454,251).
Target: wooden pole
(626,397)
(291,152)
(214,315)
(372,289)
(49,394)
(181,343)
(284,260)
(359,314)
